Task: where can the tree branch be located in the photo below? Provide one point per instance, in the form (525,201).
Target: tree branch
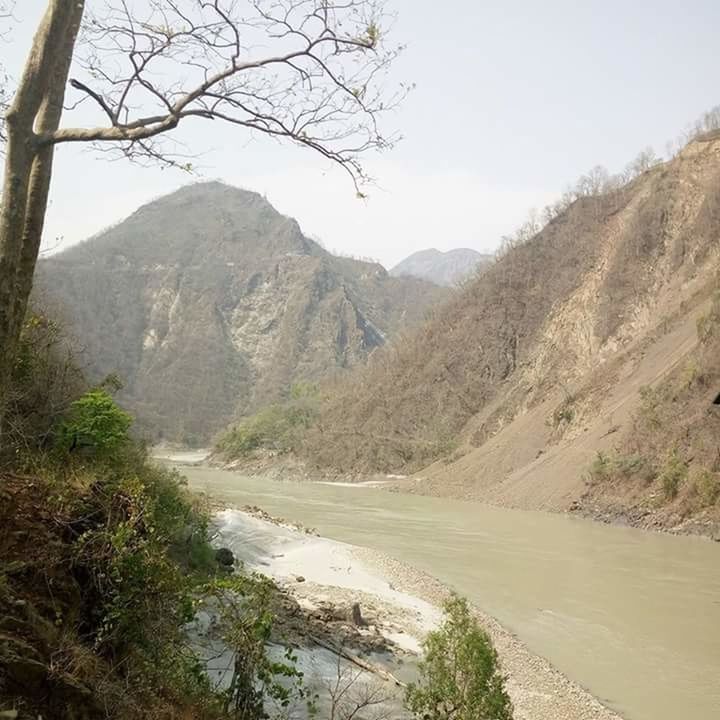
(319,82)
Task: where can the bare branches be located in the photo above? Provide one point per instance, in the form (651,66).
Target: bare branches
(6,13)
(313,72)
(353,695)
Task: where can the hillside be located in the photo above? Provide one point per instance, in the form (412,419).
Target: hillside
(209,303)
(512,389)
(442,268)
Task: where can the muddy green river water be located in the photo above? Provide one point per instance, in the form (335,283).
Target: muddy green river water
(633,616)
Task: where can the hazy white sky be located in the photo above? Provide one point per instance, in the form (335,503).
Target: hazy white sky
(514,100)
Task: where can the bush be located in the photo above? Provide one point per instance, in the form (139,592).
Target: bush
(707,485)
(277,428)
(123,550)
(673,474)
(95,425)
(651,401)
(459,676)
(601,468)
(564,413)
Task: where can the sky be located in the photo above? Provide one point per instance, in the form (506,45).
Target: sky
(514,100)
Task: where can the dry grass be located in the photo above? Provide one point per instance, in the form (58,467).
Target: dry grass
(538,319)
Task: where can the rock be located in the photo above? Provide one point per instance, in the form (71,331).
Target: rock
(224,557)
(299,578)
(354,615)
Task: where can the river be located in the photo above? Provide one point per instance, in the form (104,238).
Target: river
(633,616)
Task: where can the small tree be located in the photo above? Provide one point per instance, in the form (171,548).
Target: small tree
(96,424)
(459,676)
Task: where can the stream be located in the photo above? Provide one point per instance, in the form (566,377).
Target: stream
(631,615)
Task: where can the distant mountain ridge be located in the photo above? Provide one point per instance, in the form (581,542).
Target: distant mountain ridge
(442,268)
(209,303)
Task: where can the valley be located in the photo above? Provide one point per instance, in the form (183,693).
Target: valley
(293,427)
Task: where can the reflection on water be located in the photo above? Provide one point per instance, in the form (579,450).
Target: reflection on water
(631,615)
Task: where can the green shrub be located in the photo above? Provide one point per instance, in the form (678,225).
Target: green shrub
(96,425)
(460,677)
(673,474)
(636,465)
(45,379)
(601,468)
(277,428)
(707,485)
(606,467)
(564,413)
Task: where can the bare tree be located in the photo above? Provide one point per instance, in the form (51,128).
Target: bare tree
(354,696)
(307,71)
(645,160)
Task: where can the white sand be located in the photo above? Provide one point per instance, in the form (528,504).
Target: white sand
(284,554)
(182,457)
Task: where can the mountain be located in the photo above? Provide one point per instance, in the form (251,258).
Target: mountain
(209,303)
(441,268)
(579,371)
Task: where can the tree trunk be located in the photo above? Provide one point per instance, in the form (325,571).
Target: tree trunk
(36,109)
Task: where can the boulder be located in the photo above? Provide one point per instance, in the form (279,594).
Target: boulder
(224,557)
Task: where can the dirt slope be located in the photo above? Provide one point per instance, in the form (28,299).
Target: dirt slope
(512,389)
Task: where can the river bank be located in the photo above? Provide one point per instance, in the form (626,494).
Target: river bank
(397,602)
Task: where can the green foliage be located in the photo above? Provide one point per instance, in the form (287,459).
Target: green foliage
(152,543)
(459,676)
(240,605)
(277,428)
(673,474)
(95,424)
(601,468)
(608,466)
(635,465)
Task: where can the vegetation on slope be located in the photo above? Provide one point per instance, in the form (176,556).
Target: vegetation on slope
(276,429)
(668,462)
(105,560)
(105,565)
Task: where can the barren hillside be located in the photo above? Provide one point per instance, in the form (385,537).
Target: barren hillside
(209,303)
(508,393)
